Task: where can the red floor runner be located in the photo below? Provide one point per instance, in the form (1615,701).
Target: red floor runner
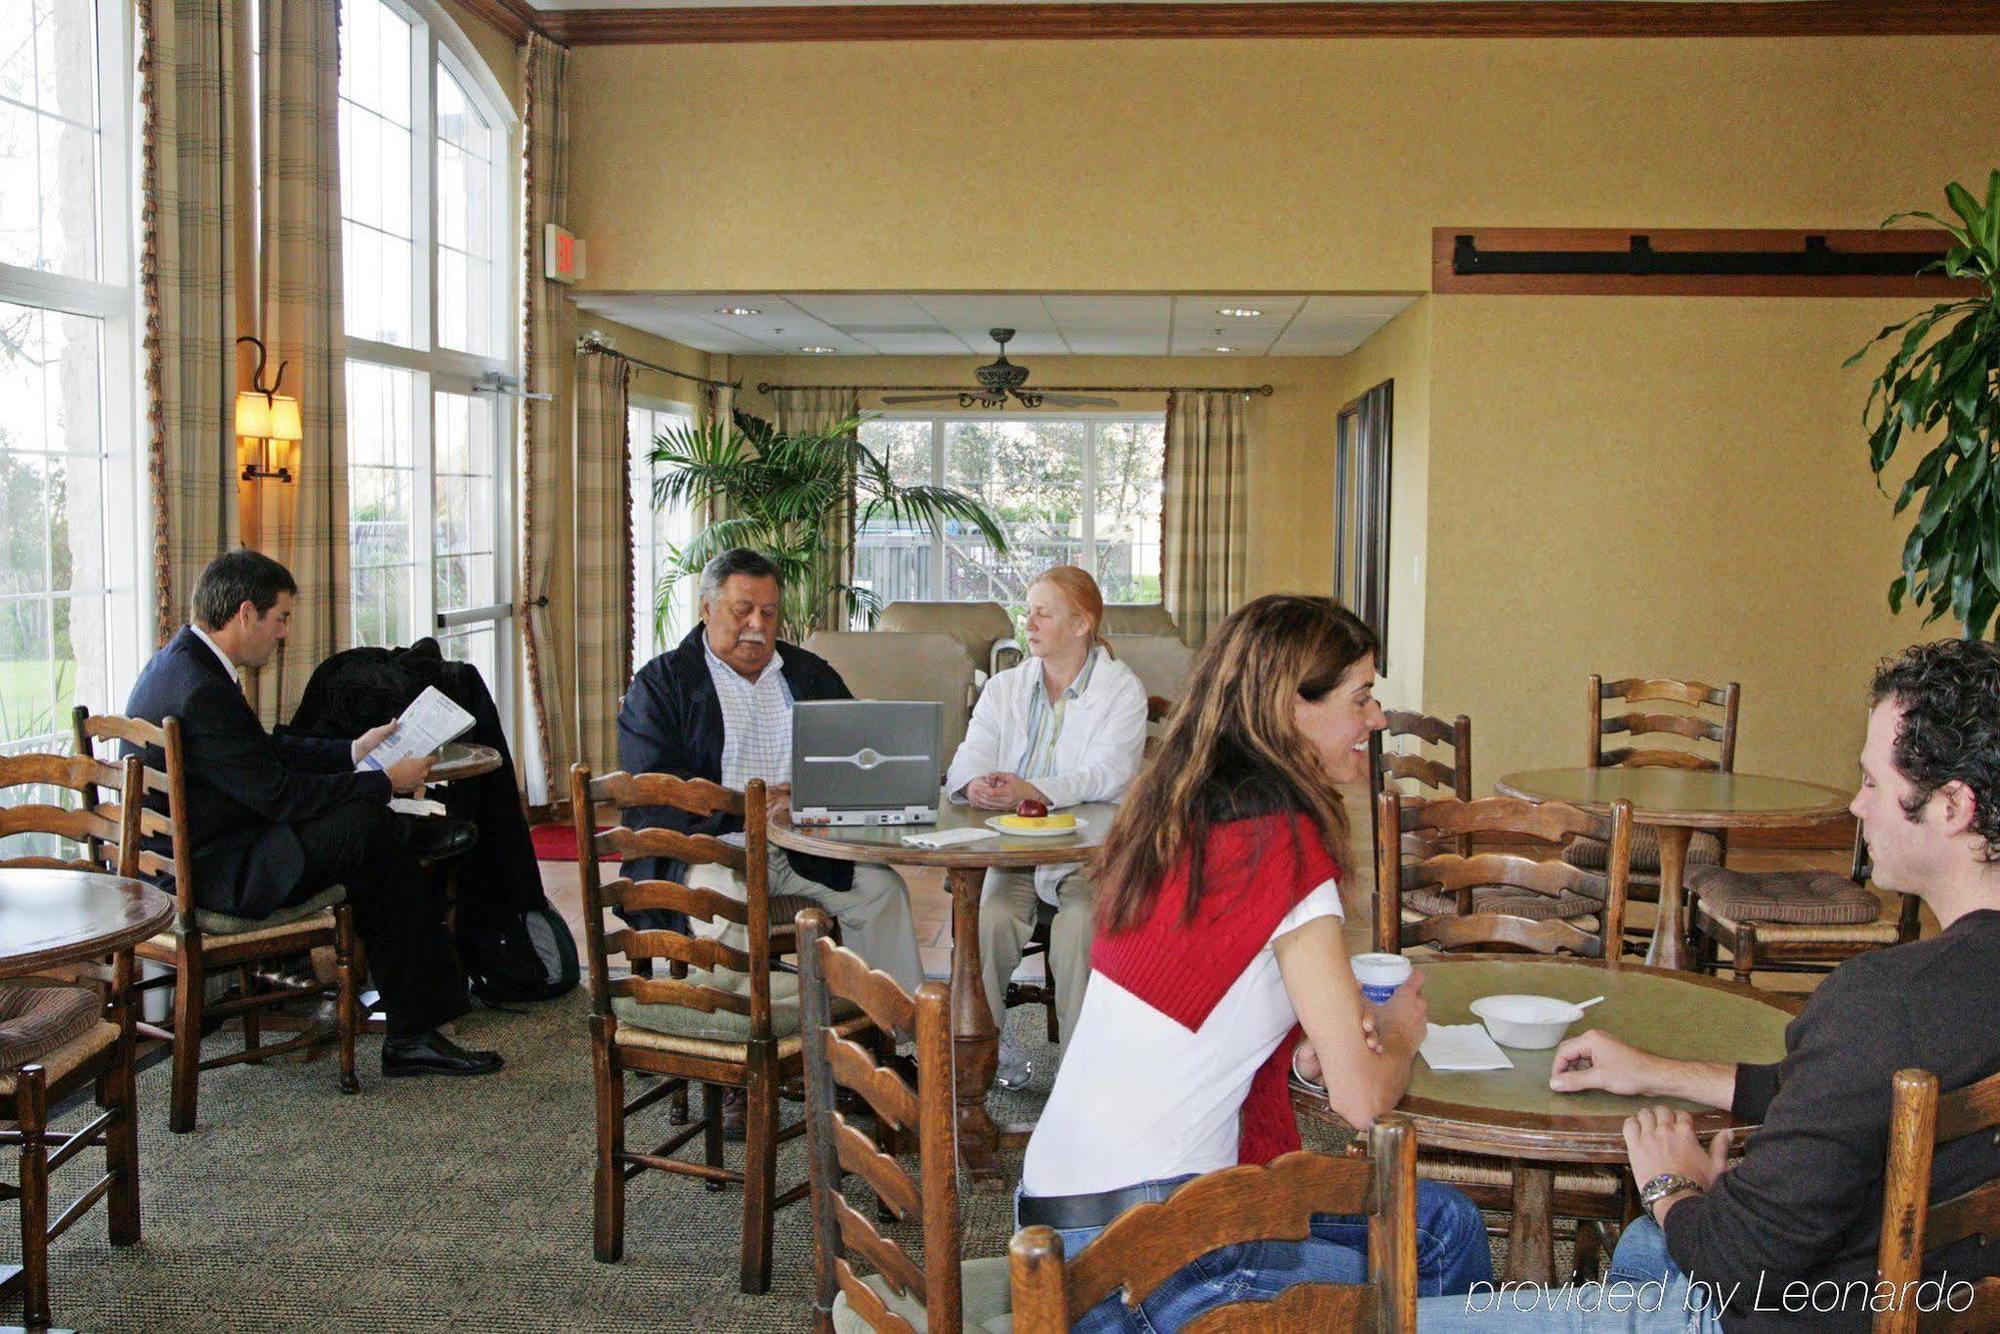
(554,842)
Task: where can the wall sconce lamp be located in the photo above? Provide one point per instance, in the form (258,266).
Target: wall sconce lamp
(269,418)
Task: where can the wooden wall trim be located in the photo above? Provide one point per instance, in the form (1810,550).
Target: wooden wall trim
(1255,19)
(515,18)
(1445,281)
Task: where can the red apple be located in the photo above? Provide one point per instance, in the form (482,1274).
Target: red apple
(1032,809)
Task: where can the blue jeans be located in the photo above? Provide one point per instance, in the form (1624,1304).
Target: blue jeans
(1645,1292)
(1452,1257)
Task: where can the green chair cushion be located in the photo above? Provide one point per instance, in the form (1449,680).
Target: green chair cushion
(986,1301)
(721,1026)
(222,924)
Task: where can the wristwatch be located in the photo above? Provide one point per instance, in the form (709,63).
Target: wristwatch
(1665,1184)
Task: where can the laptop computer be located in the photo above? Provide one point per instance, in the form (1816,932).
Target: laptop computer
(866,761)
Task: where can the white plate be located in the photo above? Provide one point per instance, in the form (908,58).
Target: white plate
(993,823)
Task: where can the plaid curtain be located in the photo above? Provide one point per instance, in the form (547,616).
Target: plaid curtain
(305,521)
(815,409)
(603,554)
(720,401)
(1204,543)
(545,150)
(188,286)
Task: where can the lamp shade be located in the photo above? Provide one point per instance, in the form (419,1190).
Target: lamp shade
(253,415)
(285,419)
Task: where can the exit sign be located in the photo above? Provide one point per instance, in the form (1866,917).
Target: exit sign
(562,255)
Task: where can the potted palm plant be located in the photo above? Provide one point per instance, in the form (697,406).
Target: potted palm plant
(779,492)
(1942,382)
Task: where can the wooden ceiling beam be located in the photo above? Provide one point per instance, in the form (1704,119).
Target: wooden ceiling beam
(1388,18)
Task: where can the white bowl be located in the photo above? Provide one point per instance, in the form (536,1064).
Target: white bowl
(1528,1022)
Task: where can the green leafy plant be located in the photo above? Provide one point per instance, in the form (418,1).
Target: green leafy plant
(1943,380)
(778,492)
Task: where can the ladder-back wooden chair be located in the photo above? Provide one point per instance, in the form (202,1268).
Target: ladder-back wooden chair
(1514,904)
(729,1021)
(1149,1243)
(1516,901)
(67,1038)
(1705,848)
(941,1292)
(204,942)
(1794,921)
(1920,1119)
(1389,770)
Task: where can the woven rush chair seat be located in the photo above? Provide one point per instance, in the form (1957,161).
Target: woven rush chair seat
(248,928)
(647,1039)
(1805,898)
(983,1289)
(58,1064)
(37,1017)
(1704,849)
(1465,1170)
(1523,903)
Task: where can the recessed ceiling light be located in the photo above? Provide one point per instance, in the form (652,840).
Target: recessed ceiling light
(1221,348)
(816,350)
(1240,312)
(738,310)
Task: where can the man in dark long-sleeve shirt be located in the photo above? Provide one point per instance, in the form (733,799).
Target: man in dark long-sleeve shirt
(1786,1239)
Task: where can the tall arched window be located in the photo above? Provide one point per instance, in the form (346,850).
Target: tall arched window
(70,550)
(430,235)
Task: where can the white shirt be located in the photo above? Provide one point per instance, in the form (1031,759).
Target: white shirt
(1138,1097)
(1096,755)
(756,722)
(227,665)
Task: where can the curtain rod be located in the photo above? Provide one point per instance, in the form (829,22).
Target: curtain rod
(590,344)
(766,387)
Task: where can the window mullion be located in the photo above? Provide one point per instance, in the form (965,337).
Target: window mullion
(938,563)
(1090,439)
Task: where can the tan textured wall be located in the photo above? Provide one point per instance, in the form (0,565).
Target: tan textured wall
(1291,468)
(1656,487)
(1217,165)
(1400,352)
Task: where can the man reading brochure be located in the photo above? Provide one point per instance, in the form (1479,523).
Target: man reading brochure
(276,820)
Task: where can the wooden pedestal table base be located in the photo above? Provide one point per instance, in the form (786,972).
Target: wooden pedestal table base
(975,1033)
(1515,1119)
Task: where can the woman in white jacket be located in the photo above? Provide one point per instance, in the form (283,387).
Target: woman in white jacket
(1066,726)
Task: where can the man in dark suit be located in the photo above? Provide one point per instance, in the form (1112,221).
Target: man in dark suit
(275,821)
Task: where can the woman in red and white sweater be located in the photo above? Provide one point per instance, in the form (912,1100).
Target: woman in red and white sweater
(1219,936)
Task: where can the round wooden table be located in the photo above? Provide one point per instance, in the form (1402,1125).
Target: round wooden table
(1515,1116)
(462,759)
(1676,802)
(50,917)
(975,1036)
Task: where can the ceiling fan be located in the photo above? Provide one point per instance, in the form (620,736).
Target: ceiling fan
(1000,379)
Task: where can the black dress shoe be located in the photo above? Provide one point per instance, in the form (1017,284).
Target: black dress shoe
(434,1054)
(434,837)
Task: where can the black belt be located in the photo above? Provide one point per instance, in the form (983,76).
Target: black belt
(1064,1212)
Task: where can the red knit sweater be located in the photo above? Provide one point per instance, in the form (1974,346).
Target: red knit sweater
(1257,870)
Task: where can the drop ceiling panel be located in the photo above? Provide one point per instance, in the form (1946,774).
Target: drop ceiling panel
(919,324)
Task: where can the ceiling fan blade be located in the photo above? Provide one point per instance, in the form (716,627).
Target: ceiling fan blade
(1077,401)
(920,398)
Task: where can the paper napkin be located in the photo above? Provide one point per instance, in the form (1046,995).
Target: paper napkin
(1463,1047)
(947,838)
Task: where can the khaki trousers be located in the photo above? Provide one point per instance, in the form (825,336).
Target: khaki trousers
(874,915)
(1006,920)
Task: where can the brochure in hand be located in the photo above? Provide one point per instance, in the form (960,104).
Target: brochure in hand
(430,721)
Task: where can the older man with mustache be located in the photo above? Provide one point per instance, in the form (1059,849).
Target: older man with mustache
(719,706)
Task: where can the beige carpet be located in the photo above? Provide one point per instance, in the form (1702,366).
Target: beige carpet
(431,1204)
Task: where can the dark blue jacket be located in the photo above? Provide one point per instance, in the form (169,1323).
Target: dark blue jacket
(671,723)
(245,788)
